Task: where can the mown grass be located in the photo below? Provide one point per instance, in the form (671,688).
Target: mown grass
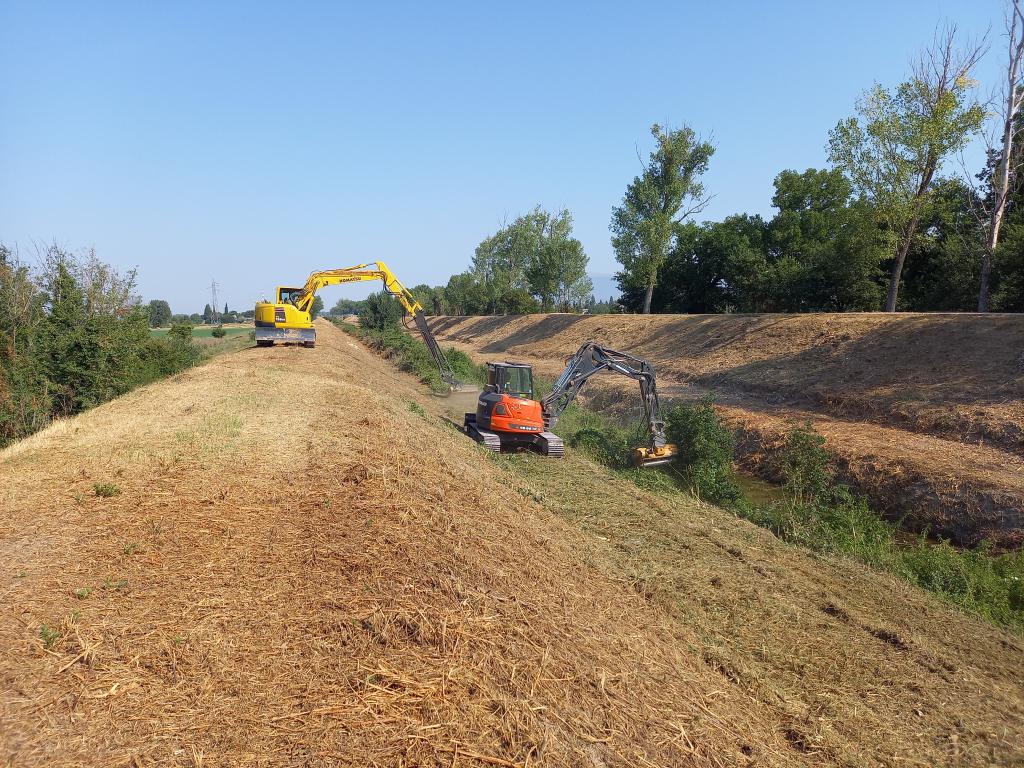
(815,511)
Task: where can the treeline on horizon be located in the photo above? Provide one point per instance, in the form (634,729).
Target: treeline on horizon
(885,226)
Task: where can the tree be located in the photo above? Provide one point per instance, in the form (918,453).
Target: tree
(207,314)
(225,308)
(380,311)
(315,308)
(465,295)
(159,312)
(1005,174)
(892,150)
(557,271)
(832,240)
(644,226)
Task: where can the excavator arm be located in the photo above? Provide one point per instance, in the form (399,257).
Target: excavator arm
(379,271)
(591,359)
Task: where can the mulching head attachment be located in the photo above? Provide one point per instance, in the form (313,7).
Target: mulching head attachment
(655,456)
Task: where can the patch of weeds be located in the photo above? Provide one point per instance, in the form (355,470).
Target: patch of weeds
(154,527)
(705,451)
(83,592)
(78,497)
(49,636)
(417,408)
(178,640)
(106,490)
(20,575)
(113,585)
(130,548)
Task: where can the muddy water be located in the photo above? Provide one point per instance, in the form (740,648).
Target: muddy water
(757,491)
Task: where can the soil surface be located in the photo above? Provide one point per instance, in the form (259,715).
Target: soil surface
(924,412)
(287,557)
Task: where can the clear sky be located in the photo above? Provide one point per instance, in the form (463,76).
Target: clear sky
(252,142)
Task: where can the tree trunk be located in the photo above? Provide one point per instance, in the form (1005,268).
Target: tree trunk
(986,275)
(647,296)
(897,267)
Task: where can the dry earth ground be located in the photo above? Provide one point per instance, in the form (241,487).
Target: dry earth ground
(924,412)
(302,568)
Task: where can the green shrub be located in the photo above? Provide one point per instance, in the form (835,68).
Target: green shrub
(380,312)
(806,464)
(106,490)
(180,332)
(705,451)
(219,332)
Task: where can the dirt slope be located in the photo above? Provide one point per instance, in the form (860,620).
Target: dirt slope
(925,412)
(305,566)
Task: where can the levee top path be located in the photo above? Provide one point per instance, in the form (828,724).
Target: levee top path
(925,411)
(298,567)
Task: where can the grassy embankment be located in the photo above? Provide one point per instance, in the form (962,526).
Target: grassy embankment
(815,511)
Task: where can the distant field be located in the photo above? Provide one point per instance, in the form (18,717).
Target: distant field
(206,331)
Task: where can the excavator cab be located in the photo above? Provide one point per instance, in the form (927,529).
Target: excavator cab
(514,379)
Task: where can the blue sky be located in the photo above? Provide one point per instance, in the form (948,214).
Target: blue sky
(251,143)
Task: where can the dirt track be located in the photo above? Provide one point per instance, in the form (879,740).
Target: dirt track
(302,568)
(924,412)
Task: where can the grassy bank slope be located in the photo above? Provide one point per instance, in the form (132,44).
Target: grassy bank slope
(285,557)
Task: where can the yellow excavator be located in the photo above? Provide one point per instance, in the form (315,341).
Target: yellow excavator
(287,320)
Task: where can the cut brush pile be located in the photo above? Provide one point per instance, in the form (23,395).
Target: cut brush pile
(302,565)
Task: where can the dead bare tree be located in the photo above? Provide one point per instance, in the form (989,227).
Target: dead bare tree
(1005,174)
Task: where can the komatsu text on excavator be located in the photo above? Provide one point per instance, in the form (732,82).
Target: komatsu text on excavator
(507,415)
(288,320)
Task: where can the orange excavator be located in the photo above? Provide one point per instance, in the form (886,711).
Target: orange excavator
(508,417)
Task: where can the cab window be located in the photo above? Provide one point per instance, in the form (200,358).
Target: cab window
(517,381)
(288,295)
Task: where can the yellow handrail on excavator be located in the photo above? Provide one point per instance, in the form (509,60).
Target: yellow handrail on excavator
(288,318)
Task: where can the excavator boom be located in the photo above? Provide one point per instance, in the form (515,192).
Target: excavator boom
(591,359)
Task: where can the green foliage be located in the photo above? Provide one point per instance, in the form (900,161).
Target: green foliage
(314,310)
(181,332)
(75,337)
(345,307)
(824,515)
(159,313)
(106,490)
(411,355)
(218,332)
(896,144)
(806,465)
(533,263)
(646,224)
(381,312)
(49,636)
(705,451)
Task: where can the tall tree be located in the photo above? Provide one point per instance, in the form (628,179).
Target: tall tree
(1005,174)
(557,274)
(159,312)
(831,241)
(895,146)
(667,191)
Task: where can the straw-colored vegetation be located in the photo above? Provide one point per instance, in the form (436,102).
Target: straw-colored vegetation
(302,568)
